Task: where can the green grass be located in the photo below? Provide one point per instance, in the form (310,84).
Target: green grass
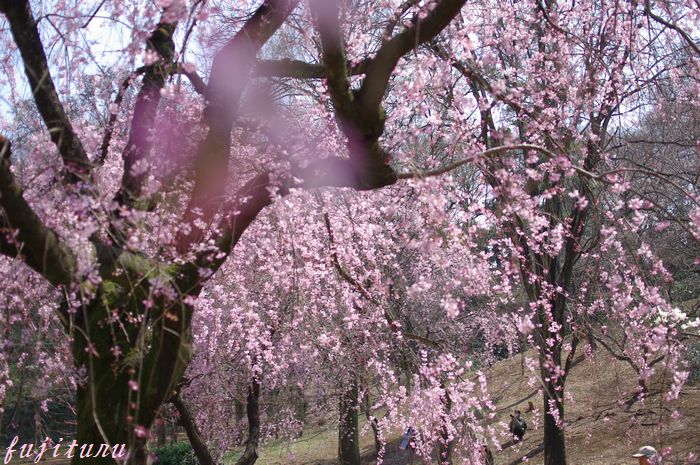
(317,445)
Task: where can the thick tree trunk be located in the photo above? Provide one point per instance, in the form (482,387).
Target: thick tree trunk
(130,370)
(201,451)
(554,444)
(103,429)
(102,404)
(551,358)
(250,454)
(348,427)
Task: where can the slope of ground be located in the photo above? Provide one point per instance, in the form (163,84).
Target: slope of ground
(600,428)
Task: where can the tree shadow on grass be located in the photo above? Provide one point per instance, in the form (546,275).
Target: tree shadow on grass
(536,451)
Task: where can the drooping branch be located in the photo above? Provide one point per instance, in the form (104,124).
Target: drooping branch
(478,84)
(258,193)
(348,278)
(25,234)
(26,36)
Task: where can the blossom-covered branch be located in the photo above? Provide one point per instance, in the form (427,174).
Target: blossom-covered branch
(25,234)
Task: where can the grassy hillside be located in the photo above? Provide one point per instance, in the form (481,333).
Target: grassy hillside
(599,429)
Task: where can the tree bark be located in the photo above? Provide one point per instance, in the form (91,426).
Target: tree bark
(445,444)
(124,389)
(373,423)
(104,425)
(201,451)
(250,454)
(348,427)
(554,443)
(102,401)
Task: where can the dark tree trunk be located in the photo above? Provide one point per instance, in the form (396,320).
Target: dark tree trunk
(201,451)
(373,423)
(554,443)
(250,454)
(102,403)
(445,445)
(109,438)
(118,402)
(348,427)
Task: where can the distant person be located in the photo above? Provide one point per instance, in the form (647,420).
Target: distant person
(647,455)
(407,443)
(407,439)
(518,426)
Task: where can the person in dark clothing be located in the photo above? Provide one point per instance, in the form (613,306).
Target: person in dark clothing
(518,426)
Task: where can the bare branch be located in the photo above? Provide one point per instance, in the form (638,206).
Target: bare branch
(26,36)
(195,79)
(297,69)
(660,20)
(139,143)
(107,138)
(230,74)
(381,67)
